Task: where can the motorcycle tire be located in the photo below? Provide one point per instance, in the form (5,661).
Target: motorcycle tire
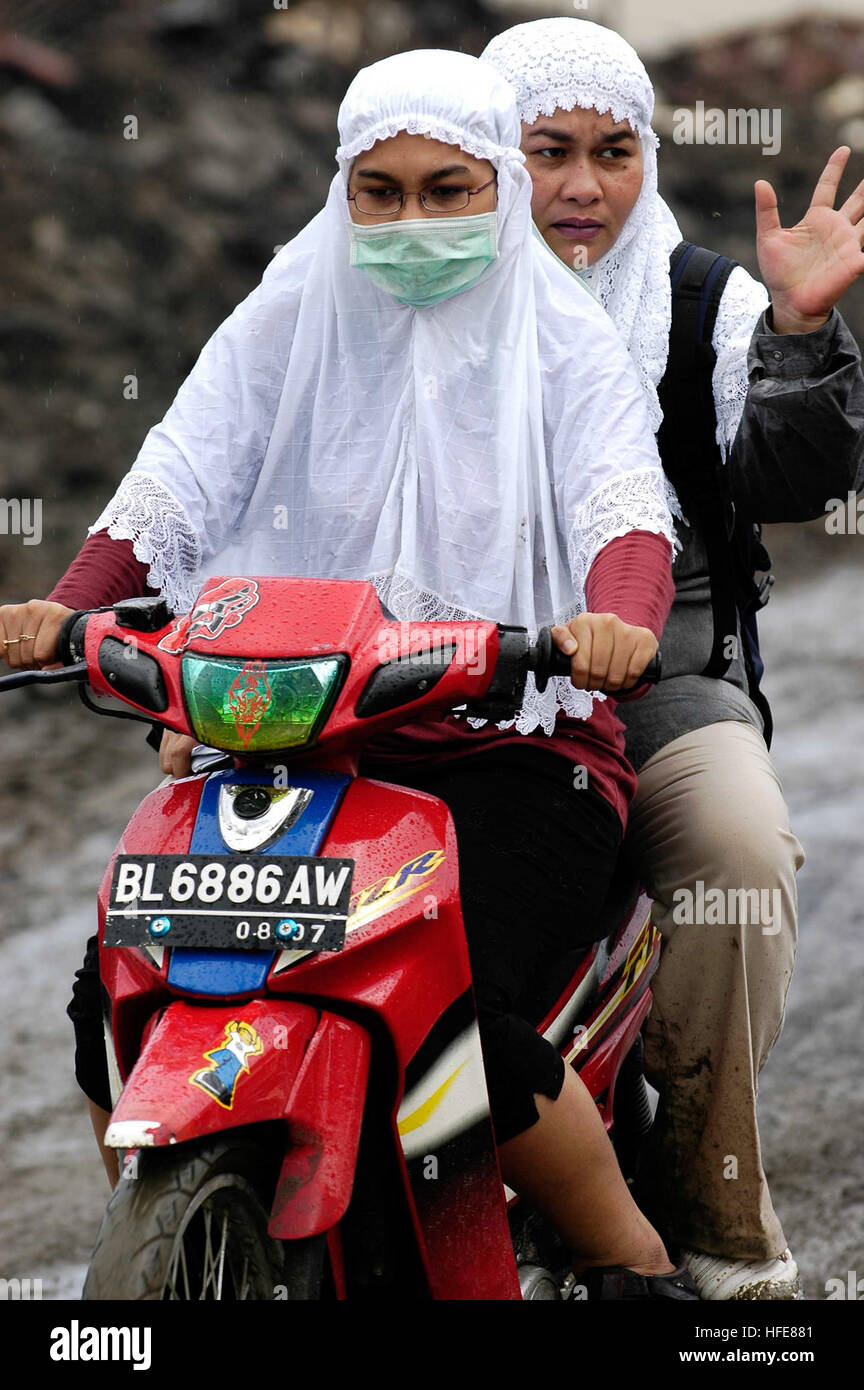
(189,1226)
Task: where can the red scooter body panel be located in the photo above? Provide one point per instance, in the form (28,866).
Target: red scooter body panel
(325,1110)
(404,911)
(235,616)
(205,1070)
(394,917)
(204,1064)
(161,824)
(600,1071)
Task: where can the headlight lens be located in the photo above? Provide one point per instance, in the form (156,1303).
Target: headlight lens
(254,706)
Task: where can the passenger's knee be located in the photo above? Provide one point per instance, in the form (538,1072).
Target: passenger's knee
(745,851)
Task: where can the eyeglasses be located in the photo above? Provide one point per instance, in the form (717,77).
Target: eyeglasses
(383,202)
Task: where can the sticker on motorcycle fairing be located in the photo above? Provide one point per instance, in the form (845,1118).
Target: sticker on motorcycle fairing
(249,698)
(218,608)
(228,1062)
(380,897)
(633,977)
(385,893)
(229,902)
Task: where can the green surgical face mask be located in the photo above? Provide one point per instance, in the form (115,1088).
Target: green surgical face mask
(423,260)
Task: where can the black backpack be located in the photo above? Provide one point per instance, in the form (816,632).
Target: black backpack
(693,462)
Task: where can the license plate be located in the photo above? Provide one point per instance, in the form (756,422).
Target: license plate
(230,902)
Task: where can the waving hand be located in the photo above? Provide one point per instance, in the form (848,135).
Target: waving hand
(807,268)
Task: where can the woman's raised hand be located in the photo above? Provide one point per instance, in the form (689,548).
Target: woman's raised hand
(606,653)
(29,631)
(806,268)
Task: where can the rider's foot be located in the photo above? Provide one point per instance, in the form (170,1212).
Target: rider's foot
(651,1260)
(719,1279)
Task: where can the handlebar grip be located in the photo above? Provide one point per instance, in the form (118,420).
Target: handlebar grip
(654,670)
(70,638)
(560,666)
(551,661)
(146,614)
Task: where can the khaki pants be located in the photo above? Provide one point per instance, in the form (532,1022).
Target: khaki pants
(710,811)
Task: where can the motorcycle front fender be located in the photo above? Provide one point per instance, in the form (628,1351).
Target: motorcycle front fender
(204,1069)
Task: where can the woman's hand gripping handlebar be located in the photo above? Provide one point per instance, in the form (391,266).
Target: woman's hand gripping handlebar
(598,652)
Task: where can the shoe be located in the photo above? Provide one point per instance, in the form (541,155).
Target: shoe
(614,1282)
(719,1279)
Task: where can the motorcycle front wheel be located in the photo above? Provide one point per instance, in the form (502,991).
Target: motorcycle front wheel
(189,1225)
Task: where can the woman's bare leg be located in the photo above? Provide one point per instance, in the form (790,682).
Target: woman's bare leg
(565,1166)
(100,1118)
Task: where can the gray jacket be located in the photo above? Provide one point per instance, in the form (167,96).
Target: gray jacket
(799,444)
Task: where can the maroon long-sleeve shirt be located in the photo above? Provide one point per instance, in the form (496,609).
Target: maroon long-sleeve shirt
(631,577)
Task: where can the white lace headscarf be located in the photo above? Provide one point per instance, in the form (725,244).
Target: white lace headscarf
(469,458)
(566,63)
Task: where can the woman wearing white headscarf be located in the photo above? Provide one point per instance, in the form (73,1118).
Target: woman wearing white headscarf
(788,420)
(414,397)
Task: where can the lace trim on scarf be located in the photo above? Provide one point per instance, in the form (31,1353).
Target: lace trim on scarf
(444,131)
(571,62)
(144,511)
(639,500)
(636,501)
(408,602)
(632,283)
(567,95)
(743,303)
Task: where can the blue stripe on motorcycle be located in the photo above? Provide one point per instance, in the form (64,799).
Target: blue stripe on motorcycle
(241,972)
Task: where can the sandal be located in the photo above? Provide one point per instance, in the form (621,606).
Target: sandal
(616,1282)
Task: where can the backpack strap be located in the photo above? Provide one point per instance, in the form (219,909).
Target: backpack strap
(686,438)
(692,459)
(698,279)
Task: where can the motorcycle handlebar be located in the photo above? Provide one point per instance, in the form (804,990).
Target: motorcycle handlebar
(542,657)
(70,638)
(76,672)
(546,659)
(71,653)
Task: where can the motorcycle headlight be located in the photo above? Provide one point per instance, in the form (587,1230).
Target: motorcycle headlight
(257,706)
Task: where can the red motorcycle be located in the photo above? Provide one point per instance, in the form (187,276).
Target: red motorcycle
(292,1041)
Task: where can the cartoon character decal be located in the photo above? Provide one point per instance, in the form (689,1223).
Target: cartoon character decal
(228,1062)
(219,607)
(249,698)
